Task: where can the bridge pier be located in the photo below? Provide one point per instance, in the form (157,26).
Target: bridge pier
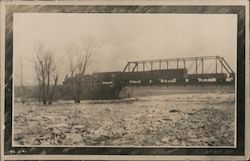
(126,92)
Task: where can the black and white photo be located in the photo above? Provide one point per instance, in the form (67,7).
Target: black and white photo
(124,79)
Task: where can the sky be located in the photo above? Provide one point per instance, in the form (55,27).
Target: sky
(119,38)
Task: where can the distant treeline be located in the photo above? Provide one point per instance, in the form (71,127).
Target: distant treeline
(62,92)
(66,92)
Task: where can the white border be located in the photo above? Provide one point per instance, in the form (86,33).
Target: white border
(126,2)
(2,71)
(129,2)
(124,157)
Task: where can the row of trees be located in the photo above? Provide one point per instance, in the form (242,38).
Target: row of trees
(46,67)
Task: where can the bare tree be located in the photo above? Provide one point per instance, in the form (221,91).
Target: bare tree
(78,68)
(46,73)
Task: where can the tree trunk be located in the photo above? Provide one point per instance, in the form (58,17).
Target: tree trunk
(53,91)
(39,93)
(78,90)
(73,83)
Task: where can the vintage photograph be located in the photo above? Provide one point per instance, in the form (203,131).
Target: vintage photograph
(141,80)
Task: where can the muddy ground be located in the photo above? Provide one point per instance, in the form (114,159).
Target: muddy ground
(200,118)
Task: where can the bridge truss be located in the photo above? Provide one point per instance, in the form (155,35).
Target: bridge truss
(199,68)
(207,70)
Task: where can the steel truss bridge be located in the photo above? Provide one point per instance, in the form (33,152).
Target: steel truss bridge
(206,70)
(192,70)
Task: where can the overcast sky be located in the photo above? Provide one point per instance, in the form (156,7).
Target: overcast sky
(123,37)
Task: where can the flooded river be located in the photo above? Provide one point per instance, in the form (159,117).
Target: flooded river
(150,118)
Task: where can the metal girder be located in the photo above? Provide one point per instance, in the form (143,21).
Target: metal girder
(197,60)
(174,59)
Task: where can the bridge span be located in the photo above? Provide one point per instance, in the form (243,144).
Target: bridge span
(192,71)
(187,71)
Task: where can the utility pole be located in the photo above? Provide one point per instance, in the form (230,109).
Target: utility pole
(21,81)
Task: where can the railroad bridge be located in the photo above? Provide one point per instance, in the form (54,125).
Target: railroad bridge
(195,71)
(180,71)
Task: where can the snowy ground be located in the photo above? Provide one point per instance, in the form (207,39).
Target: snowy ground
(177,119)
